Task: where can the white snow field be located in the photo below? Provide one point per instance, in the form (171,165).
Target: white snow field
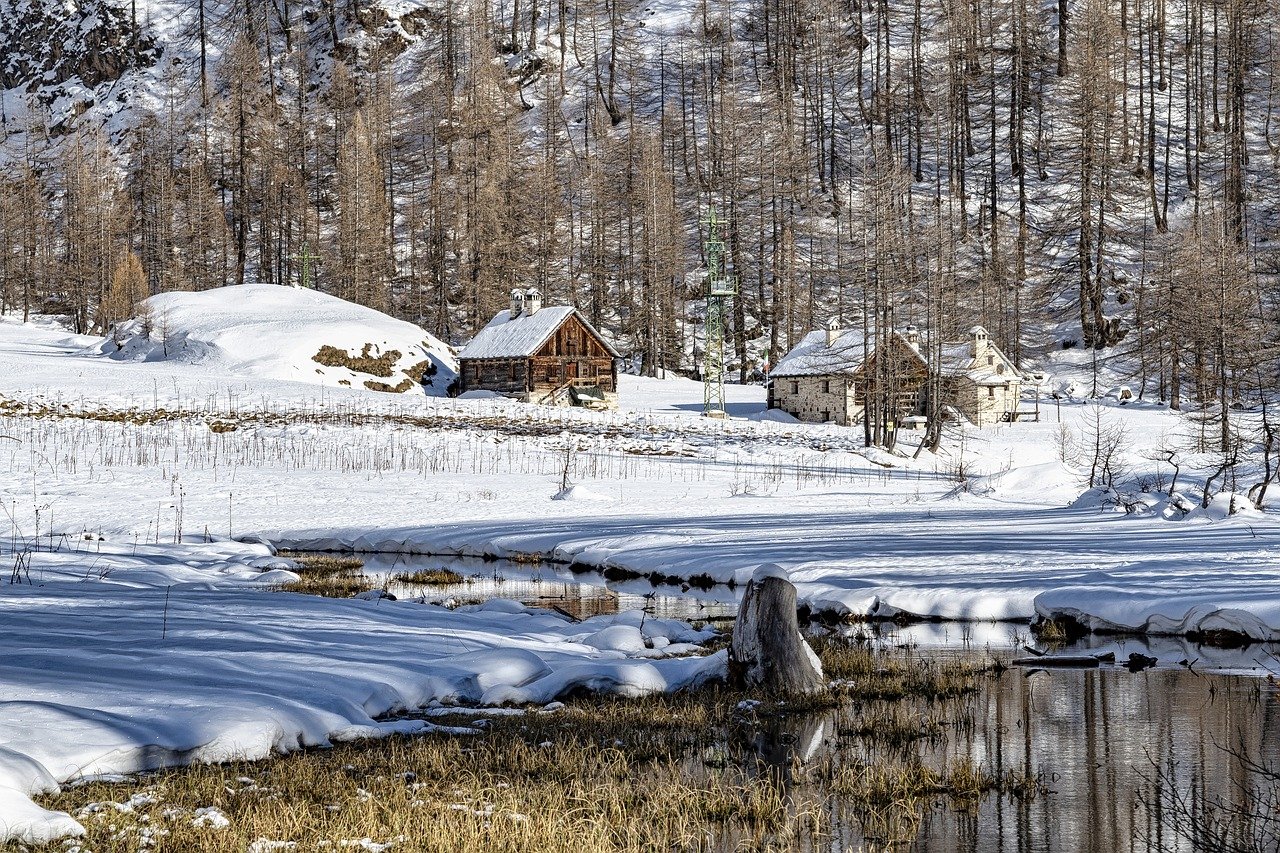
(146,453)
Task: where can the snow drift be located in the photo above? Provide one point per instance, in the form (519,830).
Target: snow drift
(274,332)
(129,657)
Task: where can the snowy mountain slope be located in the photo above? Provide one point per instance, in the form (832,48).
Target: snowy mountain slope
(272,332)
(582,91)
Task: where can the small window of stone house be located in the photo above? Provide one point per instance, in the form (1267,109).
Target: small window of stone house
(991,391)
(991,359)
(826,415)
(826,386)
(795,387)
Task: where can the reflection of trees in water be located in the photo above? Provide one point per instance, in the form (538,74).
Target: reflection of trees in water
(1243,818)
(1167,761)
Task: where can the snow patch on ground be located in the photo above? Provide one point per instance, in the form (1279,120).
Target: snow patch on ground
(268,331)
(122,657)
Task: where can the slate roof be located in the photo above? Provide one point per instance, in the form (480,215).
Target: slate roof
(525,335)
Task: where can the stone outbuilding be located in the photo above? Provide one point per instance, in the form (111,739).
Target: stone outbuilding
(825,378)
(542,355)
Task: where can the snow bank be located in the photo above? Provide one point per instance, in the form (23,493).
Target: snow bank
(266,331)
(124,658)
(986,558)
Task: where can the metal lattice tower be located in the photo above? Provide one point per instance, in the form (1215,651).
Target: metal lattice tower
(720,287)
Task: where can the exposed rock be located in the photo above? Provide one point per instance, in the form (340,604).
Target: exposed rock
(47,44)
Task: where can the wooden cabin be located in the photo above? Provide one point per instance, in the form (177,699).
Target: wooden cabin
(825,378)
(551,356)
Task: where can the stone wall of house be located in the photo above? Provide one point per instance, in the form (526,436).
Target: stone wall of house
(984,404)
(816,399)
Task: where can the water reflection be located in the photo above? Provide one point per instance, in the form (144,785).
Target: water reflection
(1127,763)
(550,585)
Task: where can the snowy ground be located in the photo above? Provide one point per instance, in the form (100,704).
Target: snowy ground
(120,658)
(146,453)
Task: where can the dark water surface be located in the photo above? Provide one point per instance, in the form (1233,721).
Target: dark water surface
(1128,760)
(1123,761)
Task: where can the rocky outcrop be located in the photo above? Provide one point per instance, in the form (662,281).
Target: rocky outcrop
(47,43)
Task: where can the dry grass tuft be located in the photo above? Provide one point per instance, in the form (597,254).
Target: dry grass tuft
(330,575)
(429,577)
(865,673)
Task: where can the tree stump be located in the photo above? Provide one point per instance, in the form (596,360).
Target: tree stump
(768,652)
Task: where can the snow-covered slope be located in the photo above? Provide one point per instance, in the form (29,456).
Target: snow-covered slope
(271,332)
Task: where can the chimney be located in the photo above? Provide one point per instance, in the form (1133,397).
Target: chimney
(833,331)
(980,343)
(517,303)
(532,300)
(912,335)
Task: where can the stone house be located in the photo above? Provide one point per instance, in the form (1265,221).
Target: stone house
(825,378)
(542,355)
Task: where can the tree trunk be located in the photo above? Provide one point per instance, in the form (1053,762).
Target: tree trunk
(768,652)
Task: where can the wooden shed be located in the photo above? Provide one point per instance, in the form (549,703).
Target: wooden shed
(542,355)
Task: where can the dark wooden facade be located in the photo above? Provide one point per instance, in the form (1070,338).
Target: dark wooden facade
(573,357)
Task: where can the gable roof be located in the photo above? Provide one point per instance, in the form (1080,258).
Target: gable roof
(504,337)
(813,356)
(960,361)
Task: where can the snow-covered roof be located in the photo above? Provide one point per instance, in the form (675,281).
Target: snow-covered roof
(523,336)
(959,360)
(813,356)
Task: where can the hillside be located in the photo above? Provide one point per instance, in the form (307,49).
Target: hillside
(1064,174)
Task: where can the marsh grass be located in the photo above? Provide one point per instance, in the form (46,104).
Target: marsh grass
(329,575)
(866,673)
(671,772)
(532,783)
(428,577)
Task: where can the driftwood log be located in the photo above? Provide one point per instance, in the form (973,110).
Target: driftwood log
(768,652)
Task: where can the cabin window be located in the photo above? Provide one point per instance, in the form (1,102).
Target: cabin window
(826,386)
(795,387)
(991,391)
(551,373)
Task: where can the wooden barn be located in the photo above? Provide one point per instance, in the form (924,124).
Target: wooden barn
(542,355)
